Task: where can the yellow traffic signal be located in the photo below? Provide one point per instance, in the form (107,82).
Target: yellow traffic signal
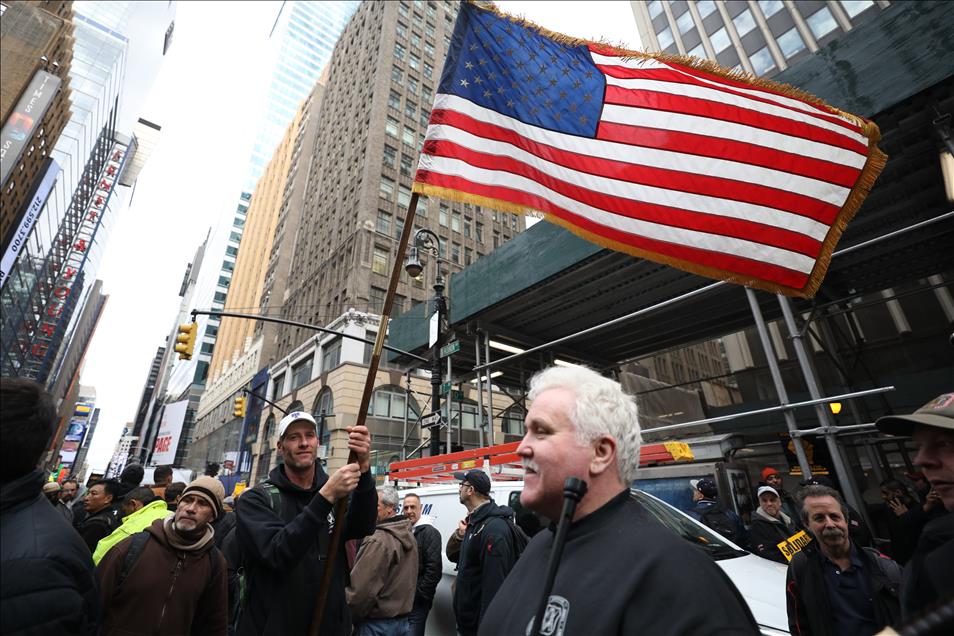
(185,340)
(239,409)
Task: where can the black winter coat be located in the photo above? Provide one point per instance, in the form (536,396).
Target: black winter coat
(47,584)
(486,557)
(765,535)
(429,565)
(809,610)
(929,577)
(98,526)
(222,526)
(284,551)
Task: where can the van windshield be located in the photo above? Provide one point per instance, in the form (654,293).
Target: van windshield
(695,533)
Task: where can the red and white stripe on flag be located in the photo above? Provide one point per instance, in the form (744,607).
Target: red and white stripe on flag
(674,161)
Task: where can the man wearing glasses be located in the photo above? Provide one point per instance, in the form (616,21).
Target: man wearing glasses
(482,548)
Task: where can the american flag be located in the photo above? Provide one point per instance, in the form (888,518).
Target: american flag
(682,163)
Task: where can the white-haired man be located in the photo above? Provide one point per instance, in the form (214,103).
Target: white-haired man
(622,572)
(384,576)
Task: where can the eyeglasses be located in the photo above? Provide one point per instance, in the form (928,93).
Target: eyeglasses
(464,484)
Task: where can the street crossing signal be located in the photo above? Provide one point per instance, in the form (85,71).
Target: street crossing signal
(239,409)
(185,340)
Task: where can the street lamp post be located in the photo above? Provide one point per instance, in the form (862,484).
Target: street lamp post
(427,240)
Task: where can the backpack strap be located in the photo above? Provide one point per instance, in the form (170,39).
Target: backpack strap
(136,546)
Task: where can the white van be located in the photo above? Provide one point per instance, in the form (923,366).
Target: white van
(760,581)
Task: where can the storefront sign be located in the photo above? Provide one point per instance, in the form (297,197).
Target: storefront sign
(26,116)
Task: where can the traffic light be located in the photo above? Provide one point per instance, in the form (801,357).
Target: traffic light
(239,409)
(185,340)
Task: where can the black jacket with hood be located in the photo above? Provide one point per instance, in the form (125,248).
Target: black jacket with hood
(929,577)
(47,584)
(284,553)
(767,532)
(486,557)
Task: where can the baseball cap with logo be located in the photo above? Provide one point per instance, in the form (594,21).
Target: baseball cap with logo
(476,478)
(938,413)
(706,486)
(291,418)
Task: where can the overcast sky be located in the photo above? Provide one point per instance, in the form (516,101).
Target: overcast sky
(205,101)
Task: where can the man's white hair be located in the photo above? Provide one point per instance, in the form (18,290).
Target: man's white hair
(601,408)
(388,495)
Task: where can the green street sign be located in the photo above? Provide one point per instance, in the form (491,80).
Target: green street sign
(450,348)
(458,395)
(445,388)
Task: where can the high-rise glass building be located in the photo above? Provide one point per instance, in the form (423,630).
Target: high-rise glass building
(117,52)
(761,37)
(302,39)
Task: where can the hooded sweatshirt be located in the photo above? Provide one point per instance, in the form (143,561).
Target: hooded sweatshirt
(169,591)
(384,576)
(136,522)
(284,552)
(767,532)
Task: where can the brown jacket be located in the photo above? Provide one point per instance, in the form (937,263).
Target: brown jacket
(384,577)
(167,592)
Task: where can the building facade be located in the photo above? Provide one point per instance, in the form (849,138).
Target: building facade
(762,37)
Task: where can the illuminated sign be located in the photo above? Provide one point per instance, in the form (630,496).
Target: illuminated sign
(170,429)
(21,123)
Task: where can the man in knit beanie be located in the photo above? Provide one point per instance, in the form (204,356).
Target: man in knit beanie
(176,555)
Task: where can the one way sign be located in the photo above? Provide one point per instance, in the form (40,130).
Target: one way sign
(432,420)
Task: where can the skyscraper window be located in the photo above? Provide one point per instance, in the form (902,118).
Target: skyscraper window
(705,7)
(744,22)
(655,8)
(665,38)
(854,7)
(770,7)
(684,22)
(762,61)
(791,42)
(720,40)
(821,23)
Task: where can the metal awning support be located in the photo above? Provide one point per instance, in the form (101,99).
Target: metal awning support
(803,462)
(824,430)
(850,488)
(488,364)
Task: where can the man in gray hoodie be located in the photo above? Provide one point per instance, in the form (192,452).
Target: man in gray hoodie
(770,526)
(384,576)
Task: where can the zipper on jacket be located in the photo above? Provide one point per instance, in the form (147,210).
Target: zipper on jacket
(175,575)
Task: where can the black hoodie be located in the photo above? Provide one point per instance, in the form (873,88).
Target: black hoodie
(284,552)
(47,584)
(486,557)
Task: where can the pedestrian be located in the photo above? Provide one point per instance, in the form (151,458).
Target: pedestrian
(130,478)
(68,491)
(172,493)
(929,577)
(384,575)
(770,526)
(429,566)
(102,516)
(284,527)
(51,490)
(714,513)
(161,478)
(169,579)
(857,528)
(835,588)
(483,549)
(224,524)
(771,477)
(140,508)
(905,519)
(622,572)
(48,583)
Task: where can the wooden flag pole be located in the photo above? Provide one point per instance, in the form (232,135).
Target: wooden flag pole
(341,506)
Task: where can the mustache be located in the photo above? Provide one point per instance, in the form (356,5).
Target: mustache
(834,533)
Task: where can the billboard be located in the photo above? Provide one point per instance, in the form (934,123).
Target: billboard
(31,212)
(24,119)
(170,428)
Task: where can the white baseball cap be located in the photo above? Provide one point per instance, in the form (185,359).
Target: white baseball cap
(291,418)
(765,489)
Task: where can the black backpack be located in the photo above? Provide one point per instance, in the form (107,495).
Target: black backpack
(719,519)
(519,537)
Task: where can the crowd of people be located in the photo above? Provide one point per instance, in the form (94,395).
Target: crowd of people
(125,557)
